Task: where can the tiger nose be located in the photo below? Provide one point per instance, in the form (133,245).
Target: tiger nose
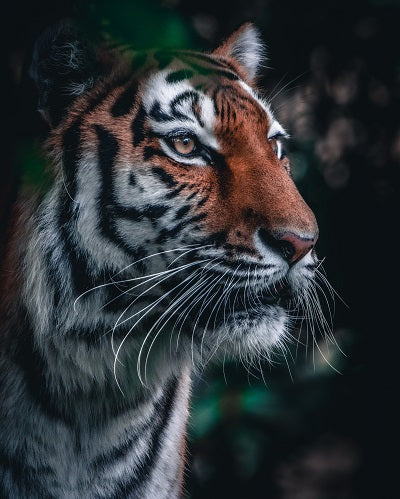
(291,245)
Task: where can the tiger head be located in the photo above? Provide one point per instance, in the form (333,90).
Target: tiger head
(173,180)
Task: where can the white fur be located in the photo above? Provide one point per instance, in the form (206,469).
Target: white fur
(157,89)
(248,50)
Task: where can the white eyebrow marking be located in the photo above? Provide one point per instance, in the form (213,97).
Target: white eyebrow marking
(157,90)
(276,130)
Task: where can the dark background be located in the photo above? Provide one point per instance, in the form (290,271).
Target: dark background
(304,431)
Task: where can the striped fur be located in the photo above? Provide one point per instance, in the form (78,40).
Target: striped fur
(139,263)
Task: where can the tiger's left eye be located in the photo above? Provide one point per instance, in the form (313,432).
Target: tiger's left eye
(184,145)
(278,148)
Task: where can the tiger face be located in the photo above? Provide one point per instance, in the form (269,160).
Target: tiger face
(174,183)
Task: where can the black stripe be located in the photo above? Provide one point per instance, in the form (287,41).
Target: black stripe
(107,151)
(166,234)
(120,451)
(165,177)
(118,304)
(187,95)
(222,110)
(228,114)
(214,66)
(182,211)
(157,114)
(35,370)
(163,408)
(180,75)
(152,212)
(175,192)
(210,59)
(234,94)
(117,453)
(227,74)
(192,195)
(214,100)
(213,71)
(24,477)
(137,126)
(130,213)
(96,337)
(149,152)
(203,201)
(52,267)
(155,211)
(132,179)
(124,103)
(81,278)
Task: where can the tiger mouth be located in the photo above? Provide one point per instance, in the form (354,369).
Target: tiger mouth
(281,299)
(244,302)
(280,295)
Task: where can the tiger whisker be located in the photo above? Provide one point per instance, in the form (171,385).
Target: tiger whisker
(219,341)
(154,304)
(184,314)
(190,277)
(210,316)
(113,283)
(213,284)
(183,248)
(173,305)
(330,287)
(184,299)
(177,303)
(154,276)
(273,97)
(225,296)
(189,251)
(173,272)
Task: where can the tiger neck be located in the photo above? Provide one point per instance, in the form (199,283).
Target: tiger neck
(57,275)
(146,431)
(68,376)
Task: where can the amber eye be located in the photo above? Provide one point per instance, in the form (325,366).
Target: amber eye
(184,145)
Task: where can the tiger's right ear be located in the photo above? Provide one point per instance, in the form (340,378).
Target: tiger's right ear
(244,46)
(63,67)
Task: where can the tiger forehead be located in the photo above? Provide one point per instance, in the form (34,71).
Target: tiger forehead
(204,101)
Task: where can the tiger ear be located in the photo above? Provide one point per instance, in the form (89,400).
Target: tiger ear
(246,47)
(63,67)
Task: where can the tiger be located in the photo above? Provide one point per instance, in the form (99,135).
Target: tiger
(172,235)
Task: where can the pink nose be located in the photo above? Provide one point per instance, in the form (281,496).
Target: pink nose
(294,246)
(291,245)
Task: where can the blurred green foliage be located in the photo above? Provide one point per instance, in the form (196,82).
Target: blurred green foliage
(33,164)
(142,23)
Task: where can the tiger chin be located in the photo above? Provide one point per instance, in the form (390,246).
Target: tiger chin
(173,234)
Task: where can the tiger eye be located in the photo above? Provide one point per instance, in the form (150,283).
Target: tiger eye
(184,145)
